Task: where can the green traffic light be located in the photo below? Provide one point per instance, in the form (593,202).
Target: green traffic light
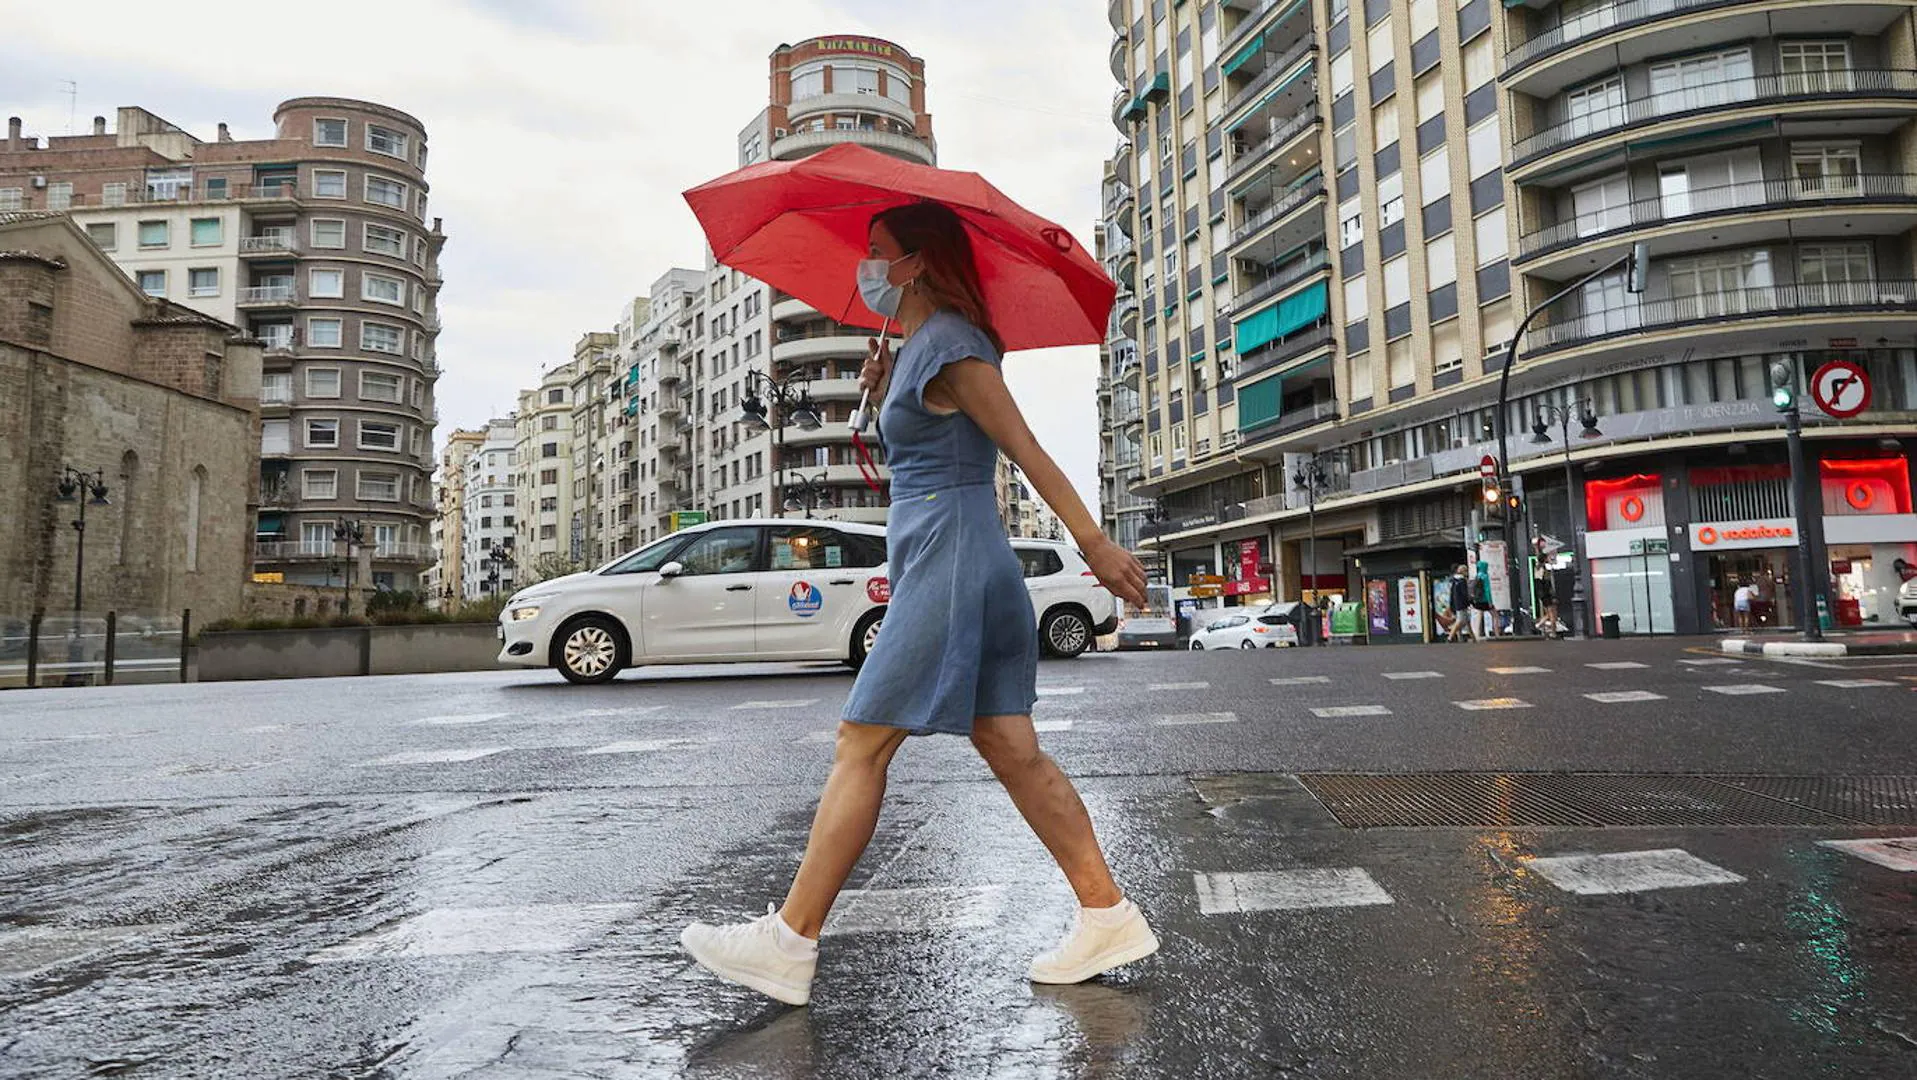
(1782,397)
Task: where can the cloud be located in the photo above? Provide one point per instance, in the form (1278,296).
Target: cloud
(563,132)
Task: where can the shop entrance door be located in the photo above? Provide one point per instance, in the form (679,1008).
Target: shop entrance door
(1768,572)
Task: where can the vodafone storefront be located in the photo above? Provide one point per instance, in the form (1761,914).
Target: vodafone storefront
(1669,549)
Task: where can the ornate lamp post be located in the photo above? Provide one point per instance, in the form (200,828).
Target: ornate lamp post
(80,489)
(1561,415)
(772,403)
(351,533)
(804,494)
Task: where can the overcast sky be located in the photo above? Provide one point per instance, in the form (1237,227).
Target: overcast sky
(563,131)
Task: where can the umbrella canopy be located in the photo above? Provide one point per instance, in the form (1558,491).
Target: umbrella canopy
(800,226)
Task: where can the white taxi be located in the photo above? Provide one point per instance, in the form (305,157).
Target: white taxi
(766,590)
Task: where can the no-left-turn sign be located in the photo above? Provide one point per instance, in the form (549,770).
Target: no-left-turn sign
(1841,389)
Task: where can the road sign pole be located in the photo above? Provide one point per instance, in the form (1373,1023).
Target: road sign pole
(1808,593)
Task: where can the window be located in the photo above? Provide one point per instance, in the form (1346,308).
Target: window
(1341,76)
(1603,205)
(1694,82)
(374,435)
(385,141)
(329,233)
(548,476)
(113,194)
(898,88)
(276,387)
(808,82)
(378,337)
(104,234)
(1826,168)
(1481,148)
(1356,305)
(549,423)
(721,551)
(1434,175)
(1833,264)
(326,284)
(1384,123)
(549,450)
(1037,562)
(381,240)
(329,183)
(322,382)
(855,80)
(203,282)
(806,548)
(320,483)
(1441,261)
(386,192)
(1399,367)
(1361,380)
(648,560)
(207,231)
(382,290)
(1351,224)
(323,333)
(379,487)
(1397,281)
(322,434)
(1492,242)
(556,396)
(1588,109)
(216,187)
(329,132)
(10,198)
(152,282)
(1391,200)
(1378,45)
(154,234)
(1344,147)
(1814,66)
(379,386)
(1479,65)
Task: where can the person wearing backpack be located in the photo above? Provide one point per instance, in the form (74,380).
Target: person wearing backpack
(1460,596)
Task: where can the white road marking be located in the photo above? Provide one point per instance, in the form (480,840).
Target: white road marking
(36,948)
(1301,680)
(1618,665)
(831,735)
(1351,710)
(1286,890)
(532,928)
(1413,674)
(1486,704)
(1631,871)
(1854,684)
(1894,852)
(1051,725)
(458,719)
(1519,670)
(915,911)
(1179,686)
(1710,661)
(633,710)
(1198,718)
(1617,697)
(1742,689)
(438,757)
(1059,691)
(796,703)
(644,746)
(263,729)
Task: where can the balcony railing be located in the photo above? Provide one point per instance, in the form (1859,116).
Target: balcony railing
(1316,413)
(288,550)
(1276,282)
(1299,343)
(263,245)
(1242,32)
(1291,200)
(1724,94)
(276,395)
(1270,75)
(1723,198)
(1588,24)
(1279,136)
(801,143)
(267,294)
(1767,300)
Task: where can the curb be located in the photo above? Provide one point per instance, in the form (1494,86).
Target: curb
(1747,647)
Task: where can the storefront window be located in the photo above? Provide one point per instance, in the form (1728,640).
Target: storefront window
(1766,574)
(1637,589)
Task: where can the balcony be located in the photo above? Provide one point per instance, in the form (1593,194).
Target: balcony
(1115,14)
(1292,421)
(1243,303)
(1268,78)
(269,245)
(1793,302)
(1625,32)
(669,405)
(297,551)
(137,193)
(1120,56)
(1890,198)
(1299,343)
(276,395)
(799,346)
(850,104)
(1290,202)
(268,296)
(1241,35)
(788,307)
(400,552)
(1758,95)
(803,144)
(1277,138)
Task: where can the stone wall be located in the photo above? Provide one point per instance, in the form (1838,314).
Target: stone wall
(277,600)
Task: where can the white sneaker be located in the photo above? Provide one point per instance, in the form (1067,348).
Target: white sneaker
(751,955)
(1091,950)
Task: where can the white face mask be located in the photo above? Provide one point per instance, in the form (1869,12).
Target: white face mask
(877,290)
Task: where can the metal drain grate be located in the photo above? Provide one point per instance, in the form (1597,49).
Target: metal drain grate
(1509,800)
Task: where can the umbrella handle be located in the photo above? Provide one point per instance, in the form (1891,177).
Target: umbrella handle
(862,416)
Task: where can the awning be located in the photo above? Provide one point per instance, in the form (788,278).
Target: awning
(1197,356)
(1244,55)
(1442,539)
(1300,309)
(1259,404)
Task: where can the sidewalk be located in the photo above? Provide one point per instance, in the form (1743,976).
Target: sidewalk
(1865,643)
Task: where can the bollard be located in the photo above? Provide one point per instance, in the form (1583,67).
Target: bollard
(33,649)
(113,622)
(186,635)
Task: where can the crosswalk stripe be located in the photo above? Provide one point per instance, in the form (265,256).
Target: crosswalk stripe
(1713,661)
(797,703)
(1335,711)
(915,911)
(1051,725)
(1179,686)
(1486,704)
(1286,890)
(458,719)
(438,757)
(1744,689)
(1198,718)
(529,928)
(1301,680)
(1059,691)
(1618,665)
(631,710)
(1630,871)
(643,746)
(1617,697)
(1527,670)
(1413,674)
(1854,684)
(1893,852)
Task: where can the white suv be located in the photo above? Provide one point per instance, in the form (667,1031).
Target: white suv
(1907,601)
(772,590)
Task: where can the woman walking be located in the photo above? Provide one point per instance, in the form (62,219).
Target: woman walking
(959,650)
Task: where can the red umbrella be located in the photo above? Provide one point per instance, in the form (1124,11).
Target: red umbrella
(800,226)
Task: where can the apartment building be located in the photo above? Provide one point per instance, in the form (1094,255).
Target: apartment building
(1330,222)
(316,241)
(447,576)
(544,463)
(489,560)
(585,511)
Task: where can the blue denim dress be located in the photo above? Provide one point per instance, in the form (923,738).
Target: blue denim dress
(960,638)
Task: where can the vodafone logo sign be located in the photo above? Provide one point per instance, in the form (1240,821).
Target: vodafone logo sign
(1743,534)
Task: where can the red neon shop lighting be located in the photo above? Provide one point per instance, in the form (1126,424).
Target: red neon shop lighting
(1635,491)
(1868,485)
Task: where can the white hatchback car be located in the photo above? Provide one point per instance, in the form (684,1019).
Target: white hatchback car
(1263,628)
(768,590)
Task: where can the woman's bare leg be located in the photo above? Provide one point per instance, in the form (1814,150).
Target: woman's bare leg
(842,826)
(1049,803)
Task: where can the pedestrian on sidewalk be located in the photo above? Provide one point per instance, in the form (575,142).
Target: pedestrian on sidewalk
(959,650)
(1460,596)
(1741,600)
(1547,597)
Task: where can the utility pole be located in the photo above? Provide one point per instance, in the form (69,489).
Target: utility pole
(1808,592)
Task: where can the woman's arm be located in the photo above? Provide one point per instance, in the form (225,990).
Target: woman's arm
(977,389)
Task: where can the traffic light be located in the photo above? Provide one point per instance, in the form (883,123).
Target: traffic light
(1514,502)
(1783,386)
(1492,492)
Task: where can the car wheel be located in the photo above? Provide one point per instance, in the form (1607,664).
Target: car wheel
(591,650)
(1197,646)
(864,636)
(1065,633)
(1246,644)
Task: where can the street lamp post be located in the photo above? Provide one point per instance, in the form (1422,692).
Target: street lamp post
(804,494)
(1637,268)
(80,489)
(350,532)
(1311,476)
(771,403)
(1548,414)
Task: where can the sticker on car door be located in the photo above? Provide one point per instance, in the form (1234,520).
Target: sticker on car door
(878,590)
(805,599)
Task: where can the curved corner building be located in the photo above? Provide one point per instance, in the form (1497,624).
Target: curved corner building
(1343,213)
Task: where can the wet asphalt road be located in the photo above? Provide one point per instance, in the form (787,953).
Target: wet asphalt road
(484,876)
